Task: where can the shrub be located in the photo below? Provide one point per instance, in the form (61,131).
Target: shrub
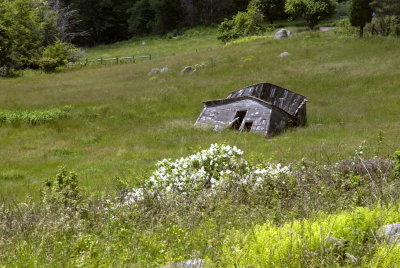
(58,54)
(48,65)
(34,118)
(209,172)
(344,28)
(325,241)
(397,164)
(62,192)
(242,24)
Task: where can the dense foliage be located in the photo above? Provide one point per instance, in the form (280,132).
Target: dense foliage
(313,11)
(280,217)
(108,21)
(26,27)
(242,24)
(387,20)
(271,9)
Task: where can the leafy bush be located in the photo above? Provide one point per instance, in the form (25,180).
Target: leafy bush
(325,241)
(209,171)
(62,191)
(56,55)
(34,117)
(25,27)
(242,24)
(48,65)
(397,164)
(344,28)
(385,26)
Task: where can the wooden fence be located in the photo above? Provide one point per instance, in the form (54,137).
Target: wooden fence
(115,60)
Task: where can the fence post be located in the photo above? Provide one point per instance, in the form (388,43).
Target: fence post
(150,57)
(101,60)
(117,59)
(133,59)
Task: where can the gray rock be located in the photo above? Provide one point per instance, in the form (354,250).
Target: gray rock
(154,71)
(351,258)
(187,69)
(199,66)
(284,54)
(194,263)
(283,33)
(164,69)
(391,233)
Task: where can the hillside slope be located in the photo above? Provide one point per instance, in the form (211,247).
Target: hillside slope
(122,121)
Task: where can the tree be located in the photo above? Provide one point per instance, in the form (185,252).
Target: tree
(313,11)
(22,31)
(142,16)
(271,9)
(360,14)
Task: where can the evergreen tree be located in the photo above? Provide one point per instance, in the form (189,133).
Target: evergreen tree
(360,14)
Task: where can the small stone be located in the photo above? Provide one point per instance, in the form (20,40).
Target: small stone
(164,69)
(284,54)
(194,263)
(351,257)
(391,233)
(143,43)
(154,71)
(283,33)
(187,69)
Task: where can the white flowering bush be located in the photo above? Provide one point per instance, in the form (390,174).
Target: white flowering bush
(216,168)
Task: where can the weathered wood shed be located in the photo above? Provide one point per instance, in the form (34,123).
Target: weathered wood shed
(262,108)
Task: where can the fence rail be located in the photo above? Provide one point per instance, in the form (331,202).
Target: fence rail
(117,60)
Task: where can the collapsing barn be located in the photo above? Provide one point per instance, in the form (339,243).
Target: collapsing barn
(262,108)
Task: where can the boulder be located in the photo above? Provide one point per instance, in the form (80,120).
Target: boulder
(284,54)
(391,233)
(282,33)
(187,69)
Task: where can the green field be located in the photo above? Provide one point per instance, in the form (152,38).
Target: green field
(121,121)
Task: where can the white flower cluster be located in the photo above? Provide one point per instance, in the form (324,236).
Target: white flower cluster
(197,171)
(268,171)
(206,170)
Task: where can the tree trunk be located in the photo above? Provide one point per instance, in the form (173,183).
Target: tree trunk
(361,31)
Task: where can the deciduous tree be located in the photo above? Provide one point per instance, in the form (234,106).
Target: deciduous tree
(313,11)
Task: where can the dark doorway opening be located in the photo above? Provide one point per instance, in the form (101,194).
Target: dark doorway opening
(238,119)
(247,126)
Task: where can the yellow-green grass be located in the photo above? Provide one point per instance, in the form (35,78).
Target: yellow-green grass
(122,121)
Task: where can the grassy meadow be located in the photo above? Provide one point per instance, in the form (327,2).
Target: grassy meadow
(121,121)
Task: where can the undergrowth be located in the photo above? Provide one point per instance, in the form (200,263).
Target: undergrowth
(33,118)
(287,216)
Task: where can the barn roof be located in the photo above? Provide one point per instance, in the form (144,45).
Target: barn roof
(280,97)
(234,99)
